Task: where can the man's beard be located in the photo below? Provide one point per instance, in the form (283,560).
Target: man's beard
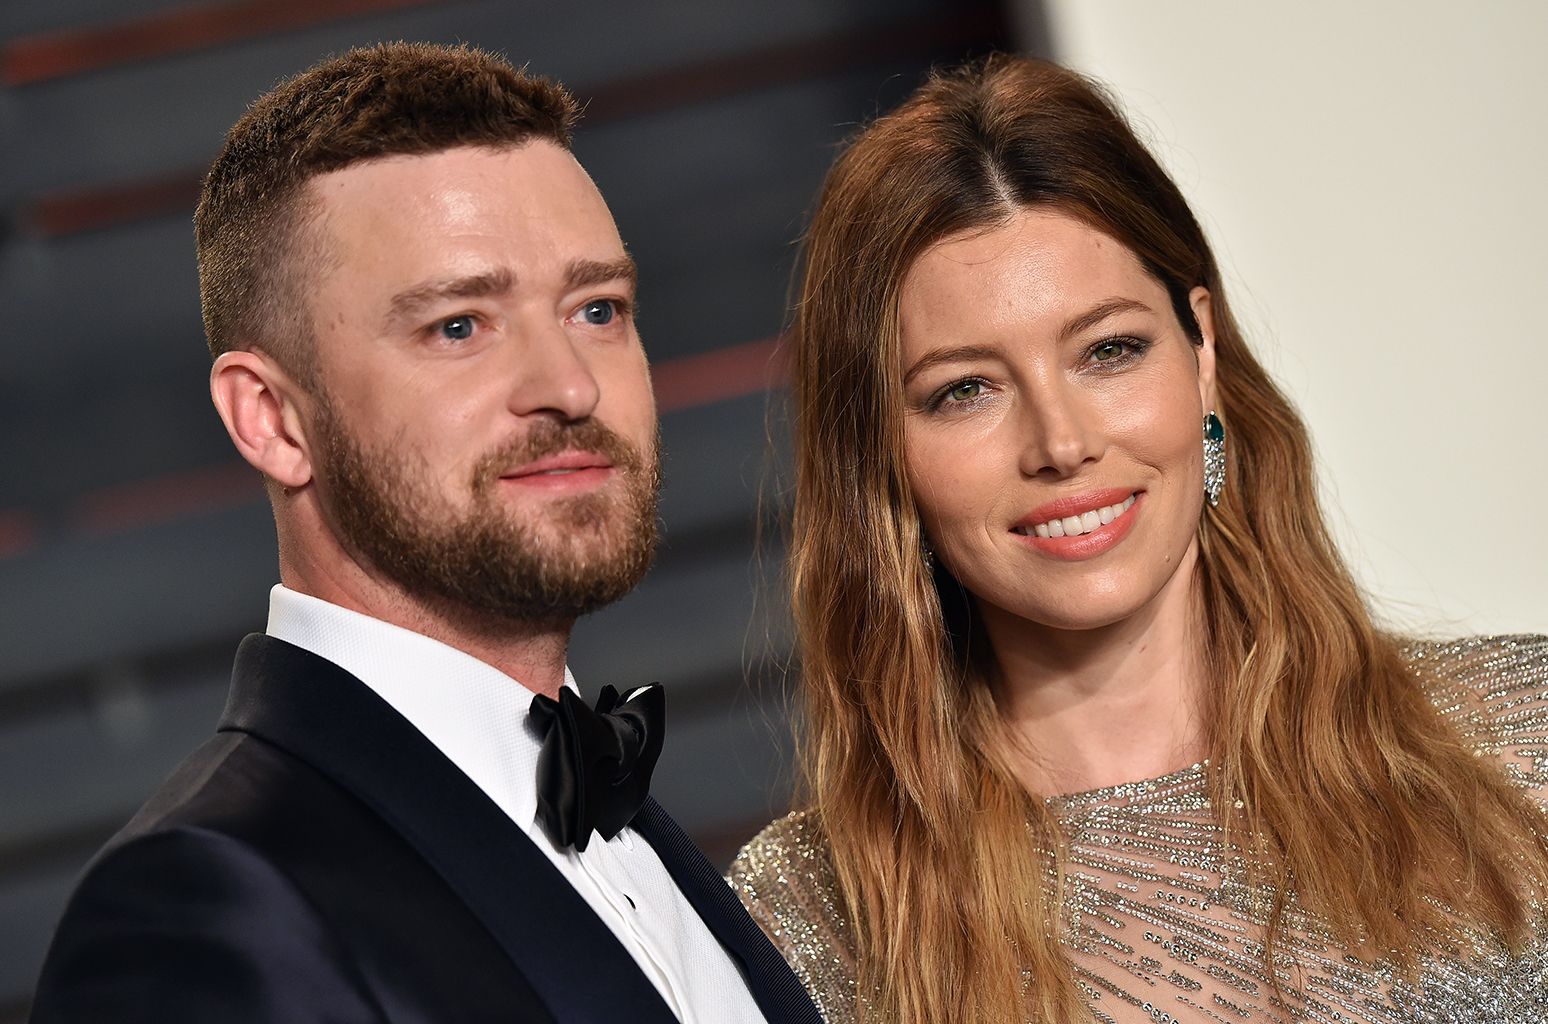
(592,549)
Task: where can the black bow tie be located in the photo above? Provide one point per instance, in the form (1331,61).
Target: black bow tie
(594,769)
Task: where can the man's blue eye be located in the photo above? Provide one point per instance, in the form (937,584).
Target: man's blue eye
(599,312)
(458,328)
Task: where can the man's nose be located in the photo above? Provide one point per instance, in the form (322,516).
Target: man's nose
(552,376)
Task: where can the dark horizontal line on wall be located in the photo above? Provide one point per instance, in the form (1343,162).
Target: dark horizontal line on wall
(167,670)
(45,56)
(18,532)
(70,846)
(148,502)
(77,210)
(680,384)
(735,371)
(698,697)
(796,60)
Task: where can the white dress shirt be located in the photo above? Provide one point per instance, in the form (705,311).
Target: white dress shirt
(477,716)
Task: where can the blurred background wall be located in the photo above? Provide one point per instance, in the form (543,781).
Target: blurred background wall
(1369,172)
(135,549)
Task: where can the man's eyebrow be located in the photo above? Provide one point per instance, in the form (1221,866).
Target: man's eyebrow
(1101,311)
(584,273)
(958,353)
(410,301)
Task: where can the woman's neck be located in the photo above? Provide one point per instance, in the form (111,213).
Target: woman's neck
(1098,707)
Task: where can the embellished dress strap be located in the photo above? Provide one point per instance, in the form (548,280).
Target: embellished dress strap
(785,878)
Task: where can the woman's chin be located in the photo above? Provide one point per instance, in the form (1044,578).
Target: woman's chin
(1077,613)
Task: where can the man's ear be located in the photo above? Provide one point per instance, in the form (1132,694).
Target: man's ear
(259,404)
(1203,315)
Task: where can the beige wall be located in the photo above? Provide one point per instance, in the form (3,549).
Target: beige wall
(1373,177)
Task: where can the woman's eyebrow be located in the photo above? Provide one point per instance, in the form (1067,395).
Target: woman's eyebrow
(958,353)
(1101,311)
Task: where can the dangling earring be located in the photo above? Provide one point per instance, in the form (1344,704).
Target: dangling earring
(927,555)
(1214,458)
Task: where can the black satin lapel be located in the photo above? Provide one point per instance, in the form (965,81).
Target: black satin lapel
(328,718)
(774,986)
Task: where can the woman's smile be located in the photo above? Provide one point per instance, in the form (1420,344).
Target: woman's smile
(1081,534)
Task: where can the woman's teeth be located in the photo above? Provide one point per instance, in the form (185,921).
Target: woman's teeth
(1074,526)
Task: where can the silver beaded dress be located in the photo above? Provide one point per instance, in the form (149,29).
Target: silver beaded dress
(1161,924)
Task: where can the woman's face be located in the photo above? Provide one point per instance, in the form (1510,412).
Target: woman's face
(1053,410)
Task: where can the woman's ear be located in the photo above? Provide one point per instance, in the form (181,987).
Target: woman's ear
(258,403)
(1203,315)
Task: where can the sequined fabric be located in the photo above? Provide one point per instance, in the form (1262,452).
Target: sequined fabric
(1162,926)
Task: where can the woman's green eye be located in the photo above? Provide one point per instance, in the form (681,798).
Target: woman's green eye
(964,391)
(1108,350)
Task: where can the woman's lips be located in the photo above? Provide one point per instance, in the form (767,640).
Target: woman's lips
(1083,517)
(1054,535)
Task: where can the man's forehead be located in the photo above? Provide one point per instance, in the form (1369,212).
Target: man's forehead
(538,181)
(535,154)
(465,212)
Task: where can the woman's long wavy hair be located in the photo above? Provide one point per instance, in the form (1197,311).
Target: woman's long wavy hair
(949,868)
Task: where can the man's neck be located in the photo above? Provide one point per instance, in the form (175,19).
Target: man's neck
(533,654)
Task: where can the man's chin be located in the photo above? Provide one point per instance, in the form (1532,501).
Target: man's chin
(497,558)
(554,521)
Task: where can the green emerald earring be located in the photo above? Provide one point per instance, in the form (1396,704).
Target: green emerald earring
(1214,458)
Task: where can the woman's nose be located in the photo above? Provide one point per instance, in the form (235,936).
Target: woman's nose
(1060,434)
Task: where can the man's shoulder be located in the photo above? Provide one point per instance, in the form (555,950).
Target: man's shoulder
(254,887)
(239,822)
(178,921)
(234,784)
(224,822)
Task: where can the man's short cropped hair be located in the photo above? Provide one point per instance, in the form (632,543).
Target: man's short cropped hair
(396,99)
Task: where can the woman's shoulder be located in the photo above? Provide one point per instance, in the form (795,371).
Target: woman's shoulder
(1494,691)
(1478,659)
(785,878)
(788,860)
(797,830)
(1480,675)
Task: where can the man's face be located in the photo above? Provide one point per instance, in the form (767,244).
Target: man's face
(484,433)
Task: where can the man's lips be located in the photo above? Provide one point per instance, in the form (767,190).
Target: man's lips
(563,469)
(562,463)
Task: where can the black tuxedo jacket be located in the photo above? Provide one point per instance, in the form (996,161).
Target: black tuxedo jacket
(320,860)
